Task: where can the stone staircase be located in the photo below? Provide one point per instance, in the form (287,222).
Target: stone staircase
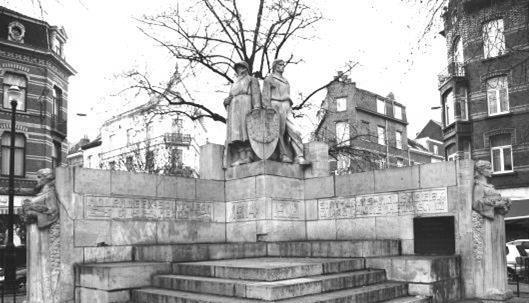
(275,279)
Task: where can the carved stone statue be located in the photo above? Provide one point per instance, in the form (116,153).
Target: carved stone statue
(245,95)
(487,200)
(276,94)
(43,241)
(488,236)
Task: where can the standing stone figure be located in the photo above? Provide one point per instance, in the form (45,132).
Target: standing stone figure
(245,94)
(43,241)
(276,93)
(488,233)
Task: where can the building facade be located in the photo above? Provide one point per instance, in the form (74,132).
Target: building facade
(150,138)
(364,130)
(485,90)
(32,58)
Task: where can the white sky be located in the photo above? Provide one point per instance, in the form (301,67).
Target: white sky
(379,34)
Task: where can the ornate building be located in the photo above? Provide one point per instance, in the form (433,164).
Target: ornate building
(485,91)
(32,58)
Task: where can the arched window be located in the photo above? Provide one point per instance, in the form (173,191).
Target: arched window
(11,79)
(20,153)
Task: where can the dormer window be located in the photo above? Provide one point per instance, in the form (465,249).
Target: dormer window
(16,32)
(57,46)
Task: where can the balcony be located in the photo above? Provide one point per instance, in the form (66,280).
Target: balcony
(453,70)
(177,138)
(457,128)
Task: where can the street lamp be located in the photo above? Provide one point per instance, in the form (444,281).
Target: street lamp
(13,95)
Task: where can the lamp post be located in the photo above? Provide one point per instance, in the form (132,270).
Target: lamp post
(13,94)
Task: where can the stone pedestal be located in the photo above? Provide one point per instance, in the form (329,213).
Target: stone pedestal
(318,154)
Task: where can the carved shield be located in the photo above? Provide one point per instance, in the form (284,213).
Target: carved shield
(262,125)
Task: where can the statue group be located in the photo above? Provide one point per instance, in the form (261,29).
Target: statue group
(260,124)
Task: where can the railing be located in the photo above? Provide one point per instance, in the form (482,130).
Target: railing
(454,69)
(177,138)
(14,290)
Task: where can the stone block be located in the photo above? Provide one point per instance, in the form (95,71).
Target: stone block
(394,227)
(264,167)
(185,231)
(122,275)
(102,296)
(91,232)
(355,184)
(281,230)
(318,154)
(236,250)
(132,184)
(311,209)
(240,189)
(322,187)
(357,228)
(321,230)
(395,179)
(133,232)
(289,249)
(209,190)
(172,252)
(418,269)
(408,246)
(247,210)
(452,196)
(337,249)
(441,174)
(211,156)
(374,248)
(92,181)
(279,187)
(440,291)
(241,231)
(175,187)
(219,212)
(107,254)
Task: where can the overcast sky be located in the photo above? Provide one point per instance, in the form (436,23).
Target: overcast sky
(379,34)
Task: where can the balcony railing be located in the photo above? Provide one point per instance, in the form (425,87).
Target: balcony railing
(177,138)
(454,69)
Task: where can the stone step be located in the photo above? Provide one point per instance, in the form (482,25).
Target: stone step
(369,294)
(410,299)
(270,291)
(268,269)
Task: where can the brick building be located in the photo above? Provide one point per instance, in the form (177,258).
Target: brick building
(485,93)
(32,58)
(364,130)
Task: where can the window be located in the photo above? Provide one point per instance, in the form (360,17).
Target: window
(436,149)
(497,95)
(449,108)
(56,154)
(342,133)
(493,39)
(149,130)
(451,153)
(111,141)
(381,133)
(381,106)
(458,51)
(149,161)
(129,163)
(463,104)
(176,156)
(11,79)
(398,140)
(177,125)
(20,152)
(341,104)
(57,46)
(400,163)
(56,102)
(397,112)
(130,136)
(501,153)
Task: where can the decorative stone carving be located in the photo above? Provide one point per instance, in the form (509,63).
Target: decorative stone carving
(487,200)
(44,241)
(263,131)
(16,32)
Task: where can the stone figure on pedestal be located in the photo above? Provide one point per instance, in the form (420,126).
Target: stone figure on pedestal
(245,95)
(43,241)
(488,230)
(276,94)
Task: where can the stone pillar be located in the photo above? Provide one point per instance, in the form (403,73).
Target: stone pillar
(481,244)
(318,154)
(211,161)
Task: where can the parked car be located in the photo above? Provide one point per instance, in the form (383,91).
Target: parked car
(523,242)
(516,258)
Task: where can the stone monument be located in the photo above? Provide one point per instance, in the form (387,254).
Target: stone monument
(44,243)
(488,229)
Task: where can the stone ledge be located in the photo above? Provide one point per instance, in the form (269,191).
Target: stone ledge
(264,167)
(118,276)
